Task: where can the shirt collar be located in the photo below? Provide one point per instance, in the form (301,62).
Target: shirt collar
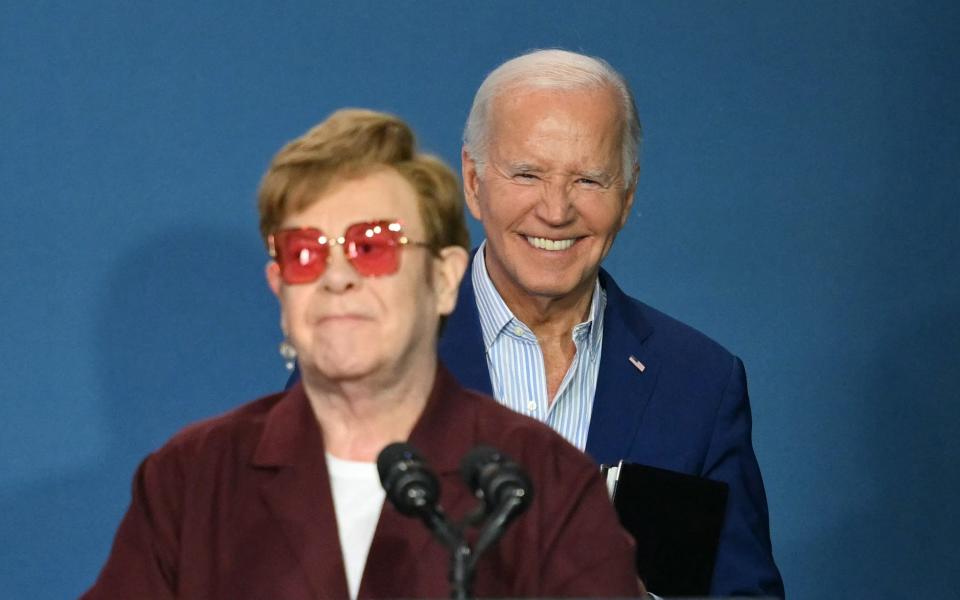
(495,315)
(594,323)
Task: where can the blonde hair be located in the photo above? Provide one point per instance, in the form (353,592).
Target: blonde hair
(352,143)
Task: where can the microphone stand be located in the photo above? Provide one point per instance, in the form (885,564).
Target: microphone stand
(461,571)
(461,565)
(494,528)
(414,490)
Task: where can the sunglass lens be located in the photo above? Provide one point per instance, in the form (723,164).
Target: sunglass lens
(301,256)
(373,248)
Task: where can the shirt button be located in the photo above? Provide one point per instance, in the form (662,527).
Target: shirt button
(531,406)
(518,331)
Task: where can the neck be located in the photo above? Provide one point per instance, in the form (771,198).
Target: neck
(552,321)
(550,316)
(360,416)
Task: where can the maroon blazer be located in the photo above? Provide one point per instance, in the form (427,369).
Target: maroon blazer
(240,507)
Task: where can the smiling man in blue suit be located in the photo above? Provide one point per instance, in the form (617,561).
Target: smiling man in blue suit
(550,168)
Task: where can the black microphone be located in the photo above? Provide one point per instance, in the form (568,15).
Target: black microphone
(410,484)
(504,487)
(414,491)
(496,480)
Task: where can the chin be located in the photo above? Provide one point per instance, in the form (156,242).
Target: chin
(340,367)
(550,285)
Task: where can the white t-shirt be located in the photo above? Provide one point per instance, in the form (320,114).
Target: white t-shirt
(357,501)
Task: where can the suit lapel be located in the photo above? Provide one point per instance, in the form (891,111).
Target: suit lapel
(395,551)
(627,378)
(623,390)
(400,547)
(461,347)
(298,493)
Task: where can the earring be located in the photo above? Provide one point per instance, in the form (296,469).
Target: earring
(289,354)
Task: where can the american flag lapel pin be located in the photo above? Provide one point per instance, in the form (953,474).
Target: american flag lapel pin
(639,365)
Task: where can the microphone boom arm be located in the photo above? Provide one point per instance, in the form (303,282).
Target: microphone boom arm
(495,527)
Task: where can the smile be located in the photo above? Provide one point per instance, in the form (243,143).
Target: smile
(548,244)
(344,318)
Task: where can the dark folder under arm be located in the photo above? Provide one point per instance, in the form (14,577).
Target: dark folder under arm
(676,521)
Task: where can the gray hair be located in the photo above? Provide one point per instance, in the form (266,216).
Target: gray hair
(557,70)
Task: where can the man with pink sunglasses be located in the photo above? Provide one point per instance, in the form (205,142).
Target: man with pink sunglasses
(281,498)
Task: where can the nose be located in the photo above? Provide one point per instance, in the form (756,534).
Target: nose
(339,275)
(556,204)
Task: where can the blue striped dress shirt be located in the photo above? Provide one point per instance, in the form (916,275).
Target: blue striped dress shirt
(516,364)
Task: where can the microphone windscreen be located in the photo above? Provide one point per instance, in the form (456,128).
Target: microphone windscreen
(410,485)
(491,475)
(393,454)
(475,462)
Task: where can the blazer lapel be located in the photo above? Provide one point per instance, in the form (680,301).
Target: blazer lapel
(623,389)
(461,347)
(298,491)
(627,378)
(401,547)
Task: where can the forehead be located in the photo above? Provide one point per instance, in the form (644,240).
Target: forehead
(380,194)
(581,126)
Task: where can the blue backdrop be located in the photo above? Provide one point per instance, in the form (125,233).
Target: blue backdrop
(799,201)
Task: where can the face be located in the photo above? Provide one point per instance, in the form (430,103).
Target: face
(552,196)
(346,326)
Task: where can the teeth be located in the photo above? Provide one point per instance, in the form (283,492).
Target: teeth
(545,244)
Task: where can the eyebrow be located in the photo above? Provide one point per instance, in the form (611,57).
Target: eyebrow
(599,174)
(523,167)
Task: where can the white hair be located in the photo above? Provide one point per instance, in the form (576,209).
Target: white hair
(556,70)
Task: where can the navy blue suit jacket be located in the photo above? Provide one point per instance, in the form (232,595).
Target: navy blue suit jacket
(687,411)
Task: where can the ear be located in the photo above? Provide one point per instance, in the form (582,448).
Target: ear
(471,183)
(448,270)
(272,272)
(628,196)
